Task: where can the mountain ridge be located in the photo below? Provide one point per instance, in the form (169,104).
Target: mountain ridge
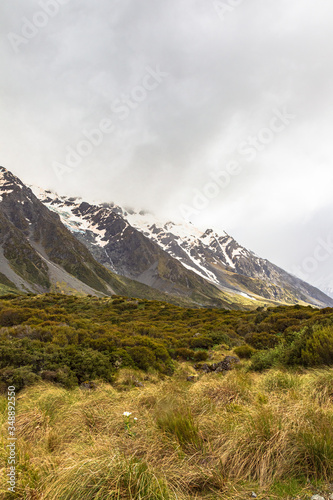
(33,240)
(65,244)
(113,234)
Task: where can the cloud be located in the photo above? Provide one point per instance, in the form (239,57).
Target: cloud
(224,79)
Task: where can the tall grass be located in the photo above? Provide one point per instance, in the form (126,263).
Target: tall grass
(220,437)
(179,423)
(107,476)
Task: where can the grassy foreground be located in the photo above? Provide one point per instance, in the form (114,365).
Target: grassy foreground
(223,436)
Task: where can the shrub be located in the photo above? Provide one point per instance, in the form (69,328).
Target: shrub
(244,351)
(221,337)
(117,301)
(142,356)
(318,349)
(201,341)
(262,360)
(63,376)
(313,346)
(18,377)
(121,358)
(262,340)
(88,364)
(10,317)
(184,353)
(200,356)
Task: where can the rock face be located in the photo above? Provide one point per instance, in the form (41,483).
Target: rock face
(226,364)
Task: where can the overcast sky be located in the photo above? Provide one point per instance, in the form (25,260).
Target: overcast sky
(219,112)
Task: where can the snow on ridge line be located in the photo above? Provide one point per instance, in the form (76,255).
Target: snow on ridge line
(139,219)
(187,231)
(185,235)
(78,224)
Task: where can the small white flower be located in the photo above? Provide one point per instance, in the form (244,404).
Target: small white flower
(135,418)
(127,413)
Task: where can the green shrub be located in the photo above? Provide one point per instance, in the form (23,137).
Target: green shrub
(244,351)
(202,341)
(121,358)
(118,300)
(318,349)
(313,346)
(142,356)
(184,353)
(262,340)
(10,317)
(88,364)
(18,377)
(63,376)
(262,360)
(200,356)
(221,337)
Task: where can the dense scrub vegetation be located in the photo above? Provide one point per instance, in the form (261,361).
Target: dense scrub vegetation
(68,339)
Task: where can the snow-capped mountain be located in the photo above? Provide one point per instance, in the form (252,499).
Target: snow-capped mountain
(39,254)
(168,255)
(201,250)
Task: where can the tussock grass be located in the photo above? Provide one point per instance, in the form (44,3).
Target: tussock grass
(221,437)
(321,387)
(107,475)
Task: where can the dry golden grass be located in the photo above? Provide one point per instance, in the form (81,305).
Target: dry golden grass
(220,437)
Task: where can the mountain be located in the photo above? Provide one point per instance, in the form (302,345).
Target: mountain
(52,243)
(324,280)
(39,254)
(178,258)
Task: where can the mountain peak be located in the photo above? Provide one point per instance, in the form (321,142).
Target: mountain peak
(9,183)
